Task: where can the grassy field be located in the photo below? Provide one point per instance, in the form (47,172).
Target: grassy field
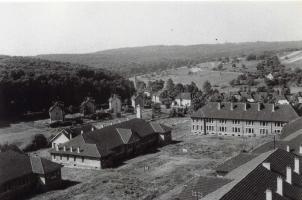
(170,168)
(203,72)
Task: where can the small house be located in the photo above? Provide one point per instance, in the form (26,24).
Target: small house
(56,112)
(67,134)
(137,100)
(156,97)
(183,99)
(88,106)
(115,105)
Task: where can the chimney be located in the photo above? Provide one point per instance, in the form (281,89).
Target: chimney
(92,128)
(232,106)
(279,185)
(71,149)
(297,165)
(138,112)
(300,149)
(287,148)
(273,107)
(127,119)
(111,123)
(268,194)
(244,106)
(64,148)
(259,106)
(289,175)
(218,105)
(78,149)
(267,165)
(82,132)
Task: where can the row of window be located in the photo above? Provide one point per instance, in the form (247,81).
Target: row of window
(224,129)
(74,157)
(224,121)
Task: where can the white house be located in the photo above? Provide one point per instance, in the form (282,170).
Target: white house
(67,134)
(56,112)
(270,76)
(183,100)
(115,104)
(156,98)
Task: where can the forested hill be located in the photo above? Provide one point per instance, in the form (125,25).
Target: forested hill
(135,60)
(29,84)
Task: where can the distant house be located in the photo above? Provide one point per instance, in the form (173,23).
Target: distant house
(270,76)
(21,174)
(184,99)
(88,106)
(67,134)
(137,100)
(147,93)
(280,99)
(56,112)
(155,97)
(112,144)
(115,104)
(247,96)
(238,119)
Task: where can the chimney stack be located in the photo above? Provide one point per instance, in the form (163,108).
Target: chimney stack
(259,106)
(218,105)
(300,149)
(267,165)
(273,107)
(244,106)
(297,165)
(268,195)
(78,149)
(287,148)
(138,112)
(82,132)
(279,185)
(289,175)
(92,128)
(232,106)
(71,149)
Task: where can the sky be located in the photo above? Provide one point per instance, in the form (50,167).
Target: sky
(81,27)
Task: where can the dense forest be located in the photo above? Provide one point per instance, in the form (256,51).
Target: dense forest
(141,60)
(32,85)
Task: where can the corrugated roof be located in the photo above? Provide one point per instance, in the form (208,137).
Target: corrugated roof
(282,113)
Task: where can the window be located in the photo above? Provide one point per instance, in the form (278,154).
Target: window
(263,131)
(222,129)
(74,158)
(222,121)
(67,157)
(249,123)
(60,157)
(236,130)
(249,130)
(263,123)
(209,120)
(278,124)
(193,127)
(197,127)
(82,158)
(236,121)
(277,131)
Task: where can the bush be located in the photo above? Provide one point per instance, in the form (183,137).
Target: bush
(39,141)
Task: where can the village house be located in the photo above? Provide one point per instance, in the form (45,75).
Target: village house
(241,119)
(137,100)
(115,105)
(183,99)
(21,174)
(156,97)
(67,134)
(112,144)
(88,106)
(56,112)
(274,175)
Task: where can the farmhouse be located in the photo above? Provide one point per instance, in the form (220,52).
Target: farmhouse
(21,174)
(275,175)
(115,105)
(183,99)
(56,112)
(67,134)
(88,106)
(110,145)
(241,119)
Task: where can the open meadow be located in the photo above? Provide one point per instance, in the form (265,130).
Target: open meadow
(157,175)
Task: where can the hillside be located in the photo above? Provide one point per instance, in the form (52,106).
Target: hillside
(140,60)
(32,85)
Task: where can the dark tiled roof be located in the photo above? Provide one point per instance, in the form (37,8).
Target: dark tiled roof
(101,142)
(235,162)
(204,186)
(292,127)
(184,95)
(14,165)
(282,113)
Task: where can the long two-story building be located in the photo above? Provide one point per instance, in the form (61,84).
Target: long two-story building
(238,119)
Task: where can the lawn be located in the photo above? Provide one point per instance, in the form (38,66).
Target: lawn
(169,168)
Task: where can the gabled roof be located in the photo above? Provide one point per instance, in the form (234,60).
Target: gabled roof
(56,104)
(184,95)
(282,113)
(14,165)
(87,100)
(101,142)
